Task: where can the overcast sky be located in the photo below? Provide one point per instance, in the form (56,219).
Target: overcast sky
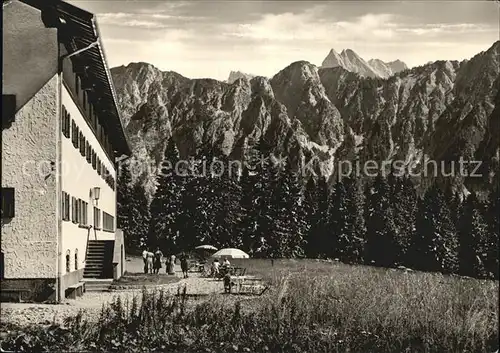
(211,38)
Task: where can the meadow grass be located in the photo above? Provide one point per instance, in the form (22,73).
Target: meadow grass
(313,307)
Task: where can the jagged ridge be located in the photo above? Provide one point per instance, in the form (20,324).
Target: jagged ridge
(441,110)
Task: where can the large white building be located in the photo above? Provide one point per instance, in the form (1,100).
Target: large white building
(61,134)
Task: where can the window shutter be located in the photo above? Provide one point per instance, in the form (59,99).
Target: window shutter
(67,206)
(73,131)
(85,208)
(8,204)
(63,120)
(73,210)
(68,119)
(63,205)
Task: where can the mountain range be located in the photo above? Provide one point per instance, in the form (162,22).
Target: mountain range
(442,111)
(349,60)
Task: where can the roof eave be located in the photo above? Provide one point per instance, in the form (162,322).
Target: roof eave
(127,150)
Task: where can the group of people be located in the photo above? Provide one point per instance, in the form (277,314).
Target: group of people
(152,262)
(216,266)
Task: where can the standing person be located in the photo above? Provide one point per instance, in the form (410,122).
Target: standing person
(145,259)
(215,268)
(157,260)
(167,265)
(150,258)
(184,265)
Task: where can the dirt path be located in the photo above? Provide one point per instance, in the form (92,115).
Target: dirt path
(91,302)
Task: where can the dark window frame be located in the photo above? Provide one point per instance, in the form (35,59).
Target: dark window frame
(108,222)
(8,202)
(68,261)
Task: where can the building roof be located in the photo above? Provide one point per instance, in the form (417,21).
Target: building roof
(79,31)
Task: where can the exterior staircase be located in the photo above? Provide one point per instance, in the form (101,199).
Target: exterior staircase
(99,260)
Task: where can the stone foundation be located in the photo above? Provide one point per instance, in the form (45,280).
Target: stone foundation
(28,290)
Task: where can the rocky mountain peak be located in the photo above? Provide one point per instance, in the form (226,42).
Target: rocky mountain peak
(396,66)
(351,61)
(333,59)
(235,75)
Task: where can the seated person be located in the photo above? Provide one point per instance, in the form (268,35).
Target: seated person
(226,263)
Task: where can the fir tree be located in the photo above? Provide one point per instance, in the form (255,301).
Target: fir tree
(339,221)
(473,239)
(265,176)
(311,208)
(226,204)
(286,236)
(354,248)
(124,208)
(248,221)
(493,219)
(139,219)
(166,206)
(381,248)
(404,204)
(435,245)
(198,217)
(454,203)
(322,228)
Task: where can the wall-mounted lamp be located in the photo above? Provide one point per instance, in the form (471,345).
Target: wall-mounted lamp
(96,193)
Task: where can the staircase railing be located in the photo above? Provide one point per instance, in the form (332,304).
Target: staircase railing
(88,236)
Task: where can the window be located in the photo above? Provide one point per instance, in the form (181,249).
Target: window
(76,259)
(110,181)
(97,218)
(98,166)
(8,203)
(88,151)
(63,120)
(68,261)
(65,206)
(82,144)
(83,213)
(67,119)
(79,211)
(73,132)
(108,222)
(94,159)
(78,134)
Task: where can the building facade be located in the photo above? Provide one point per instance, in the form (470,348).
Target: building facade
(61,135)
